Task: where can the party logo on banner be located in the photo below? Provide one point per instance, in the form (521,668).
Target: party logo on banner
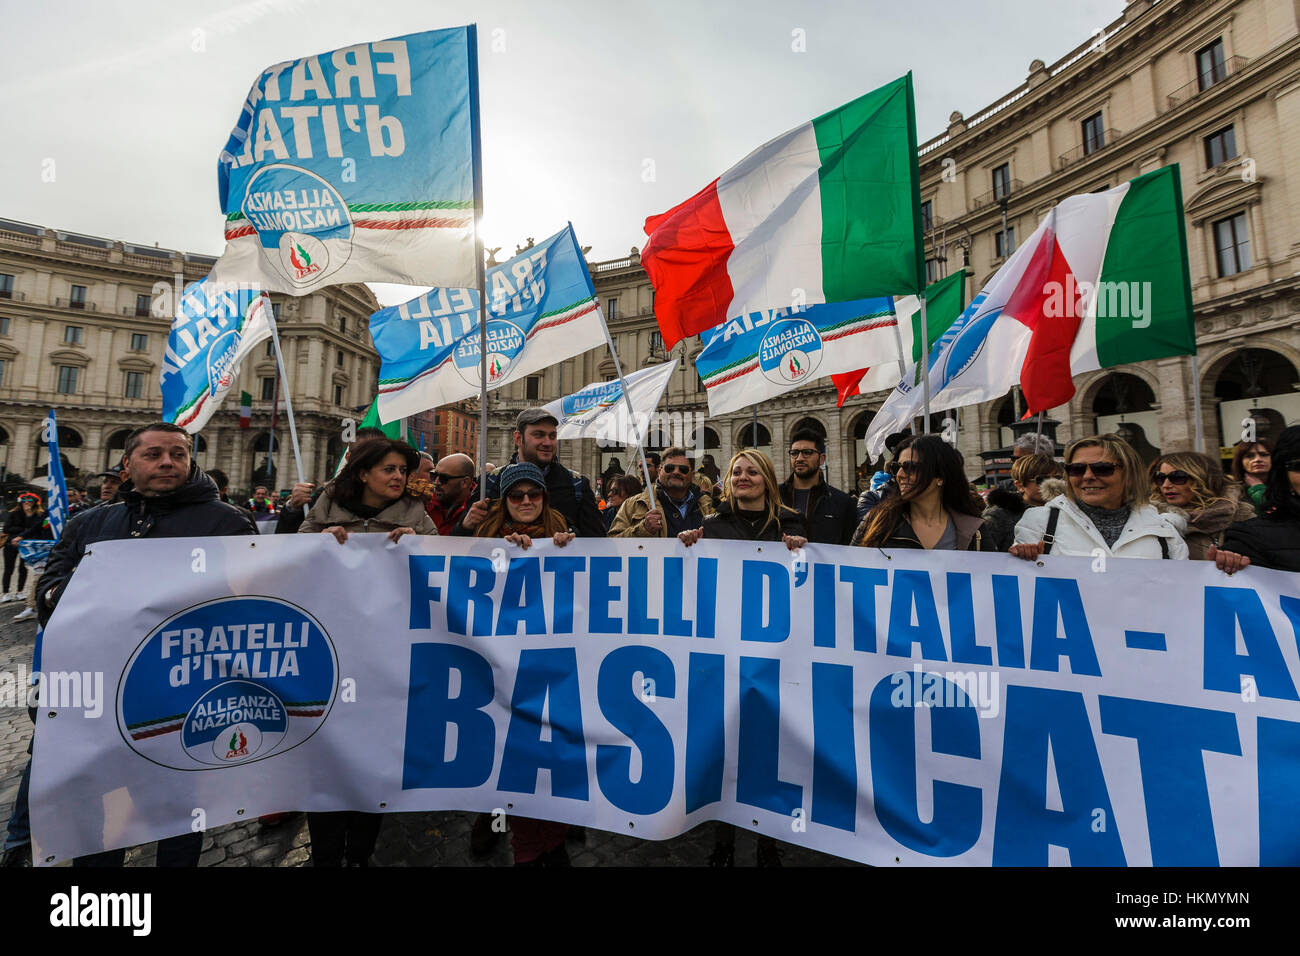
(304,217)
(505,341)
(790,352)
(227,682)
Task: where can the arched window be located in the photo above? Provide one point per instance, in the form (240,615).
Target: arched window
(70,442)
(1258,385)
(1126,406)
(747,437)
(114,448)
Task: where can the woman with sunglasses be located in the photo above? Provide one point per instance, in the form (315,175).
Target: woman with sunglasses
(1273,539)
(1251,462)
(1104,509)
(522,514)
(367,496)
(935,508)
(1195,485)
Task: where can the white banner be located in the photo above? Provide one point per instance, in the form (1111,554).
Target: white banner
(599,411)
(914,708)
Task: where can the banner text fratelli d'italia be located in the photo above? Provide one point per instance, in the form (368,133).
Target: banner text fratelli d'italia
(895,708)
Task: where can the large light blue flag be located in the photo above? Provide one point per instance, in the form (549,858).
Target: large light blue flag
(216,325)
(356,165)
(542,309)
(766,354)
(58,488)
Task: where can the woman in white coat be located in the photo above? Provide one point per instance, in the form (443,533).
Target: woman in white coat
(1104,510)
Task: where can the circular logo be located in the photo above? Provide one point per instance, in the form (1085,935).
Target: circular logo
(301,221)
(790,351)
(226,682)
(221,361)
(505,342)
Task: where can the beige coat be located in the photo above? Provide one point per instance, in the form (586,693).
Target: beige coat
(406,512)
(629,522)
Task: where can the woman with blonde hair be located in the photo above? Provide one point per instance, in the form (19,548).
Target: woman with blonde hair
(750,509)
(1195,485)
(1105,509)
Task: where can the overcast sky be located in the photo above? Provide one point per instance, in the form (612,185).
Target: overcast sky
(132,100)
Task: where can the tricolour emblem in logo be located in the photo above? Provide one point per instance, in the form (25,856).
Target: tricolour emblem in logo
(505,342)
(227,682)
(790,351)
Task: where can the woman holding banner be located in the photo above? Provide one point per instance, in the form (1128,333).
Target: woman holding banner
(749,509)
(1104,511)
(935,508)
(523,513)
(1195,485)
(367,496)
(27,520)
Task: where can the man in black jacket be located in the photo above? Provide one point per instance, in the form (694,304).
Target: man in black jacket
(570,494)
(165,496)
(829,515)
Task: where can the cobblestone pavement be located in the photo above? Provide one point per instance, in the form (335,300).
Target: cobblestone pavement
(407,839)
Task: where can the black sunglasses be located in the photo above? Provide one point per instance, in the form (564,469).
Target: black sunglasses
(439,477)
(1177,477)
(909,467)
(675,469)
(1102,469)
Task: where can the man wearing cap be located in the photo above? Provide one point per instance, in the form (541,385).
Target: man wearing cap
(111,481)
(570,494)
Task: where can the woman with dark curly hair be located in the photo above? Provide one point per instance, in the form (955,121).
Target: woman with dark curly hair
(934,509)
(1195,485)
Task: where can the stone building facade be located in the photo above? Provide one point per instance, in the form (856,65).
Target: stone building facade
(83,325)
(1213,85)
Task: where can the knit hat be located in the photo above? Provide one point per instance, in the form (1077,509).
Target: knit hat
(521,471)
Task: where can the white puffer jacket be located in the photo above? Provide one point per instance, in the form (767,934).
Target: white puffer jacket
(1077,535)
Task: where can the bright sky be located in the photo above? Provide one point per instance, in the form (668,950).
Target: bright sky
(581,99)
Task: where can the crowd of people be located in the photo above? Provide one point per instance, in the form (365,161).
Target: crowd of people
(1100,499)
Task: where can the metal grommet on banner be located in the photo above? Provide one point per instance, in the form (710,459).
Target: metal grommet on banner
(54,713)
(631,824)
(239,813)
(885,556)
(510,806)
(1040,564)
(382,804)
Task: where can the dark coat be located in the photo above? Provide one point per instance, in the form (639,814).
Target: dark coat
(831,516)
(191,511)
(1001,516)
(972,534)
(569,494)
(724,524)
(20,524)
(1270,541)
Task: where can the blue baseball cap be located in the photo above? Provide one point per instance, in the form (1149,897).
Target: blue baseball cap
(521,471)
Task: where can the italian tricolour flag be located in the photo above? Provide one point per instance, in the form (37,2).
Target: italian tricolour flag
(1102,281)
(824,213)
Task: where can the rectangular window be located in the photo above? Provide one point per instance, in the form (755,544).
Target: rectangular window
(1232,245)
(1094,136)
(77,298)
(6,286)
(275,311)
(135,384)
(611,309)
(343,322)
(1002,181)
(1220,147)
(931,271)
(268,388)
(139,342)
(656,342)
(338,394)
(1003,246)
(270,348)
(338,358)
(927,215)
(143,303)
(1211,67)
(74,335)
(4,325)
(3,365)
(532,387)
(68,379)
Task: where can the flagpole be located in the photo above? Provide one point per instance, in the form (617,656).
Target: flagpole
(288,401)
(631,412)
(925,366)
(898,341)
(1196,404)
(476,144)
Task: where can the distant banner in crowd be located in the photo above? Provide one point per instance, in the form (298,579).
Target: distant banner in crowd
(355,165)
(755,357)
(216,326)
(599,411)
(905,707)
(57,494)
(541,309)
